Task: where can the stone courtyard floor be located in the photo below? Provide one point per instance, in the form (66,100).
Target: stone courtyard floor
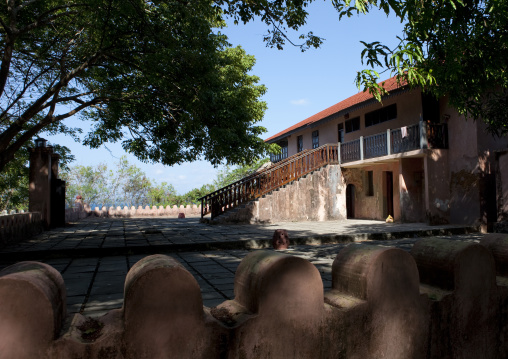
(95,254)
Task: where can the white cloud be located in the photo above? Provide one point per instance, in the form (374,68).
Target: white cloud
(300,102)
(159,172)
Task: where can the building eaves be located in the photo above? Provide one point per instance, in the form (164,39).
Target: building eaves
(350,104)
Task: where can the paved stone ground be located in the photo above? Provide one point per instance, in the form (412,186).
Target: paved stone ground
(94,255)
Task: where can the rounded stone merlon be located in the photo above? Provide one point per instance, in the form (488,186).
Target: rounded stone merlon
(387,280)
(268,282)
(371,272)
(163,310)
(32,310)
(497,244)
(454,265)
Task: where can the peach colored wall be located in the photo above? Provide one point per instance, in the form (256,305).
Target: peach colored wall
(437,181)
(374,207)
(408,113)
(412,190)
(409,110)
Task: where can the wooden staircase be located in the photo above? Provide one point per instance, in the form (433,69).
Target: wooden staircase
(261,183)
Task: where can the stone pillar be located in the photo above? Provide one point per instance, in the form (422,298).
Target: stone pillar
(46,191)
(57,200)
(40,181)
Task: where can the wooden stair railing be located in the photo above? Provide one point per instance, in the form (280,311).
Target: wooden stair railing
(263,182)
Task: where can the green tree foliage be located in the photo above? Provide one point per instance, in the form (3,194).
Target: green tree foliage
(232,174)
(194,195)
(14,177)
(162,194)
(126,184)
(89,182)
(156,75)
(457,48)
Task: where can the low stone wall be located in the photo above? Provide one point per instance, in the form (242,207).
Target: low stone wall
(20,226)
(76,213)
(79,211)
(13,227)
(439,301)
(147,211)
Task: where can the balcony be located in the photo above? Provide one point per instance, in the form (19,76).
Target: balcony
(415,137)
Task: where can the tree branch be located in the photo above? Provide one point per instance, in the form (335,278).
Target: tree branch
(7,136)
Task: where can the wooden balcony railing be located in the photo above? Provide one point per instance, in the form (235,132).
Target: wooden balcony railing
(261,183)
(375,145)
(409,138)
(350,151)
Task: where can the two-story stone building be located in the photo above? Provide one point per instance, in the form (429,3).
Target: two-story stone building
(411,156)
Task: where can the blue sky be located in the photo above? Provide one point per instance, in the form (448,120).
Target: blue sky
(299,84)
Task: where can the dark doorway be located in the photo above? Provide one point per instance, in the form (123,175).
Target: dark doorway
(350,201)
(389,193)
(488,198)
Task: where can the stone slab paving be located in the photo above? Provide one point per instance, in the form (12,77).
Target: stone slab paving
(119,235)
(95,282)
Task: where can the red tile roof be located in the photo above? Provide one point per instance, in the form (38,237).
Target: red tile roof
(390,85)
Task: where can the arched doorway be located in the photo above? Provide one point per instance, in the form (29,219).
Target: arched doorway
(350,201)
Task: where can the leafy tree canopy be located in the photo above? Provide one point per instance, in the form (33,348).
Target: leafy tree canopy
(99,185)
(231,174)
(156,75)
(457,48)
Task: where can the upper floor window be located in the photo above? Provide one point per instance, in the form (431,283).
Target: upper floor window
(299,143)
(352,124)
(341,133)
(315,139)
(382,115)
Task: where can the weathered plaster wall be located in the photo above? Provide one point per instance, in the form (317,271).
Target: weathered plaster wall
(487,147)
(438,187)
(471,171)
(464,170)
(502,185)
(319,196)
(412,190)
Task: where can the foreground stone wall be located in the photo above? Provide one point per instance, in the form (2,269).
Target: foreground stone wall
(442,300)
